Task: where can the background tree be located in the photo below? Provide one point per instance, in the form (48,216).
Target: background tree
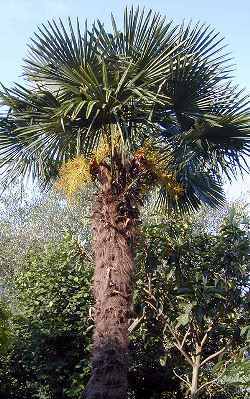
(147,106)
(33,220)
(198,289)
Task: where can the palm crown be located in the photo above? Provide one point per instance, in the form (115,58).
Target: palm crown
(149,83)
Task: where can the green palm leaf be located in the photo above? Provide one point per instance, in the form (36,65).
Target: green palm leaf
(149,80)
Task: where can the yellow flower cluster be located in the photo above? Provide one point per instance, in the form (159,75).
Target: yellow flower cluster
(76,173)
(73,175)
(150,159)
(102,151)
(105,146)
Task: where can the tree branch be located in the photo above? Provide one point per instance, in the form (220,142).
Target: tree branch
(215,379)
(182,379)
(177,343)
(205,337)
(185,337)
(135,323)
(184,354)
(213,356)
(207,383)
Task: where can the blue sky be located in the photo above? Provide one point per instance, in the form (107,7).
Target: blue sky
(20,18)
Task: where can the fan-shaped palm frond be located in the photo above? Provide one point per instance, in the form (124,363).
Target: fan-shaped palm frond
(78,90)
(147,80)
(199,187)
(218,137)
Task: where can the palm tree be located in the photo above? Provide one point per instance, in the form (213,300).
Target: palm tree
(148,107)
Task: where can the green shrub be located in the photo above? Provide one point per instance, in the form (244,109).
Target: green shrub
(49,354)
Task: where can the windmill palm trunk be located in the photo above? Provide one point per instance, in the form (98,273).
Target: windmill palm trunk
(112,288)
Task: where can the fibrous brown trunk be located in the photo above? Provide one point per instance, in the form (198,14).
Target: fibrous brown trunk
(113,286)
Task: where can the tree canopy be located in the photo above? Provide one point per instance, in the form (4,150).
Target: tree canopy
(146,82)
